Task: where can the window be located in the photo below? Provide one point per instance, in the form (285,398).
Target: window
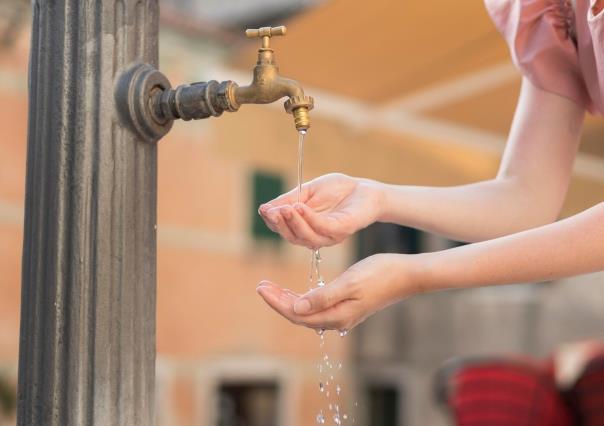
(265,187)
(388,238)
(248,404)
(383,405)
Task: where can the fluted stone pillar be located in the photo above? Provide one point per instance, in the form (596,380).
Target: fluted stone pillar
(87,346)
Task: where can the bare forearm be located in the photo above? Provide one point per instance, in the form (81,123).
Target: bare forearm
(569,247)
(529,189)
(474,212)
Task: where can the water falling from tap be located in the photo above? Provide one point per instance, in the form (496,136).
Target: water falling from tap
(328,368)
(301,136)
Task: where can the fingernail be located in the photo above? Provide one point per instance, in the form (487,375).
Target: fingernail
(274,219)
(287,213)
(302,306)
(300,209)
(265,206)
(261,288)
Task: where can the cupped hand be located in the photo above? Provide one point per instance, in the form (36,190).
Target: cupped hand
(331,208)
(363,289)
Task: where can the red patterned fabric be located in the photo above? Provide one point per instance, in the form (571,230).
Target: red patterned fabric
(506,394)
(587,395)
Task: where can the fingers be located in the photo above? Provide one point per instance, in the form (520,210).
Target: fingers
(276,222)
(303,234)
(323,225)
(278,299)
(338,317)
(301,225)
(286,221)
(271,220)
(274,219)
(321,299)
(288,198)
(335,317)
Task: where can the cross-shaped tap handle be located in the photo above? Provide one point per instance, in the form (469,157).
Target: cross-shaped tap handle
(265,33)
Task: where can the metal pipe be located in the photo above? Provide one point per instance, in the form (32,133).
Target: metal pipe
(87,345)
(194,101)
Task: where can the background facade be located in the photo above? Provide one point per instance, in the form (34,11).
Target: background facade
(414,98)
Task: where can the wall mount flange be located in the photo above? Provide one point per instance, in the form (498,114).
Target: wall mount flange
(135,92)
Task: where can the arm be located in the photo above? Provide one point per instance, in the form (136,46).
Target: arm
(527,192)
(568,247)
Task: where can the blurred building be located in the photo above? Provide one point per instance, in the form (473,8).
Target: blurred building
(404,94)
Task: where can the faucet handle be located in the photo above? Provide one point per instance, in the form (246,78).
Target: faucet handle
(265,33)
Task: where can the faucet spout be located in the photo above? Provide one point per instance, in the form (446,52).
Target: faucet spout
(268,86)
(267,91)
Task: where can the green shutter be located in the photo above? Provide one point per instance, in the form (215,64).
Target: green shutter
(265,188)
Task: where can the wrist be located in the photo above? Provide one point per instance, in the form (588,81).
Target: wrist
(420,275)
(379,194)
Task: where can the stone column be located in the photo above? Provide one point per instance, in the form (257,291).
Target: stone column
(87,346)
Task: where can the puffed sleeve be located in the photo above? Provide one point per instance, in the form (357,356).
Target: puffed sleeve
(539,35)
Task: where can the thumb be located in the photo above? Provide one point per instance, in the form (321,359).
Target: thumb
(319,299)
(289,198)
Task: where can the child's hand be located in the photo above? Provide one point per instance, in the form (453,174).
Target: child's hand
(332,207)
(365,288)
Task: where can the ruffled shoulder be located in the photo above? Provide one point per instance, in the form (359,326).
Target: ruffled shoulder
(542,42)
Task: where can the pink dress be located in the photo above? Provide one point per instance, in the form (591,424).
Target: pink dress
(557,45)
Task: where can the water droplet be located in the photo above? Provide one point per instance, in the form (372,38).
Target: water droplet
(320,331)
(320,418)
(339,365)
(321,387)
(343,333)
(325,357)
(345,416)
(336,419)
(331,377)
(327,394)
(330,406)
(338,389)
(320,283)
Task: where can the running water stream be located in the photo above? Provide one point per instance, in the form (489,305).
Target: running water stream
(329,369)
(301,137)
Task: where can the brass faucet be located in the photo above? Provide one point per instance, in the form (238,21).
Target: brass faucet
(268,86)
(148,103)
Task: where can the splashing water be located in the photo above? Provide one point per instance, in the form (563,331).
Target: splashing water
(329,370)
